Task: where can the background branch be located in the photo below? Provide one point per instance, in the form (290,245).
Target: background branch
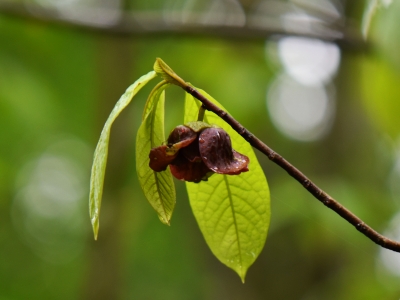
(150,24)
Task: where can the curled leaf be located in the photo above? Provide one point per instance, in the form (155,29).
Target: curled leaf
(158,187)
(101,152)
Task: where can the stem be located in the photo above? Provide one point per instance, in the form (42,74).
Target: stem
(295,173)
(202,110)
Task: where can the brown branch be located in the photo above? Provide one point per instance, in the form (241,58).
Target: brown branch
(295,173)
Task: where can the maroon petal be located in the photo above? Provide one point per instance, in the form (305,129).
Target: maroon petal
(183,169)
(181,136)
(217,153)
(241,163)
(192,152)
(160,159)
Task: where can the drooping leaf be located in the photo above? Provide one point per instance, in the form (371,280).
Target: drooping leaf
(101,152)
(233,212)
(158,187)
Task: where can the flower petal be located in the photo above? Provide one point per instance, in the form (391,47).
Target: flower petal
(216,151)
(192,152)
(160,158)
(181,136)
(183,169)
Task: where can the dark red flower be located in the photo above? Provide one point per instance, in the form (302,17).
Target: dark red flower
(197,150)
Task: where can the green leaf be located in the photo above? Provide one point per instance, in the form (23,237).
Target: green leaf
(370,11)
(101,152)
(167,73)
(233,212)
(158,187)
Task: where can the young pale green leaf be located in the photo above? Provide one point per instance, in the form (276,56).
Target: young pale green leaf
(101,152)
(167,73)
(233,212)
(158,187)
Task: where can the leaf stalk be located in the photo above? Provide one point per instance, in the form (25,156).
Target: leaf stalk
(202,110)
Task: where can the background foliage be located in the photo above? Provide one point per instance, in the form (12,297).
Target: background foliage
(59,83)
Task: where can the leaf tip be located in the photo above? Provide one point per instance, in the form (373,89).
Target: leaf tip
(164,220)
(162,69)
(95,226)
(242,274)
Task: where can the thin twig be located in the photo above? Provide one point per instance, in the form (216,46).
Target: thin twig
(296,174)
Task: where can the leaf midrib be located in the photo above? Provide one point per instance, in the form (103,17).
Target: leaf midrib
(234,220)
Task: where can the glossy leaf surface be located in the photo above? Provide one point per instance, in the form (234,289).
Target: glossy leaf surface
(101,152)
(233,212)
(158,187)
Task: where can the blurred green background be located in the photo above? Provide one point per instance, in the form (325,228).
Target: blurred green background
(298,74)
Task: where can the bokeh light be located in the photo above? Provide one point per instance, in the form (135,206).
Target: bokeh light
(301,99)
(309,61)
(391,259)
(47,211)
(300,112)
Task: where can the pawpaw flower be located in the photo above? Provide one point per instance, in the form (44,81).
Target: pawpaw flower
(197,150)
